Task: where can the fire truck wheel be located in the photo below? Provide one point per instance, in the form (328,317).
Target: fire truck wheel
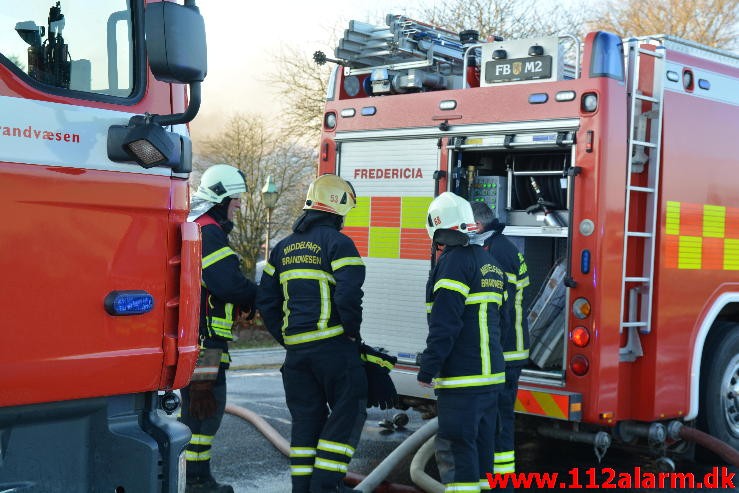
(719,414)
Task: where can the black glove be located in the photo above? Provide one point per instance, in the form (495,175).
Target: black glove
(380,388)
(202,399)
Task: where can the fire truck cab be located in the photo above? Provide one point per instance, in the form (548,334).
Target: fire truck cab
(101,270)
(611,162)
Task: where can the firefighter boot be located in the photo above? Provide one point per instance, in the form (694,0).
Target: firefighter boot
(206,484)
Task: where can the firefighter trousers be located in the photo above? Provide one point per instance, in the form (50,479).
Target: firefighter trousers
(203,431)
(466,438)
(505,453)
(326,393)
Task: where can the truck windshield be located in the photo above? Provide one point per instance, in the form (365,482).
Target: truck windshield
(71,44)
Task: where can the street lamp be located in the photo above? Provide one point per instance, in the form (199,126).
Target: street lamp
(269,198)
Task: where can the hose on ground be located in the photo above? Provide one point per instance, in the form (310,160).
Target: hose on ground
(408,446)
(722,449)
(283,446)
(418,469)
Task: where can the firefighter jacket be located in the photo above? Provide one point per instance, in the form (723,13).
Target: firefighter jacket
(225,291)
(463,299)
(515,327)
(311,288)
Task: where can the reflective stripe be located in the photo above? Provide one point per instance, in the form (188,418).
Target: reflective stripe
(485,485)
(225,358)
(429,306)
(522,283)
(482,320)
(470,381)
(336,447)
(486,297)
(504,468)
(302,452)
(504,456)
(377,361)
(462,487)
(314,274)
(301,470)
(325,305)
(269,269)
(314,335)
(197,456)
(511,278)
(519,320)
(516,355)
(214,257)
(452,285)
(330,465)
(201,440)
(343,262)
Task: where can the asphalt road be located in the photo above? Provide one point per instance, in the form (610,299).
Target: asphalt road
(245,459)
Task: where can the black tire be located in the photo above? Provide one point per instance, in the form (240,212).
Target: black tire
(719,393)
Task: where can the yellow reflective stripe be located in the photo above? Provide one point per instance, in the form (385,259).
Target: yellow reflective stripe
(214,257)
(285,308)
(330,465)
(343,262)
(485,485)
(516,355)
(462,487)
(731,254)
(336,447)
(482,320)
(325,305)
(518,323)
(201,440)
(377,361)
(301,470)
(470,381)
(523,282)
(302,452)
(714,221)
(413,211)
(506,456)
(197,456)
(314,335)
(384,242)
(672,218)
(690,252)
(452,285)
(269,269)
(429,306)
(225,358)
(360,215)
(504,468)
(317,275)
(511,277)
(485,297)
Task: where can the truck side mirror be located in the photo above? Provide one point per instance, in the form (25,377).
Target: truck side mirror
(175,42)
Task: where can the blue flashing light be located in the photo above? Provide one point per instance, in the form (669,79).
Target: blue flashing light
(585,261)
(538,98)
(704,84)
(608,56)
(121,303)
(369,111)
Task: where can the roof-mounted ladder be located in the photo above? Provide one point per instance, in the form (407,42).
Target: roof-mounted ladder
(642,190)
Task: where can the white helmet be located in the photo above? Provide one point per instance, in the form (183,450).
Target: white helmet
(219,182)
(331,193)
(450,213)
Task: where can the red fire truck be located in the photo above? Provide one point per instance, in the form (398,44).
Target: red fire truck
(613,163)
(101,272)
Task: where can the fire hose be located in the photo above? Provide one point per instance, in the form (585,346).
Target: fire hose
(678,430)
(274,437)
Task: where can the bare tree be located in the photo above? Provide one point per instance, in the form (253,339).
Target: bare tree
(247,143)
(302,85)
(506,18)
(710,22)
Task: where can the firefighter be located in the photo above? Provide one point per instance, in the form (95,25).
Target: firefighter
(514,330)
(310,299)
(225,292)
(463,359)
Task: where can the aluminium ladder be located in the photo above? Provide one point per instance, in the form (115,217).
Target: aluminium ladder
(644,156)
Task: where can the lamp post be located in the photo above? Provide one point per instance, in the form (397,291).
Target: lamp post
(269,197)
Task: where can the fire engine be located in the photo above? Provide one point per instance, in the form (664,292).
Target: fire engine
(102,273)
(611,161)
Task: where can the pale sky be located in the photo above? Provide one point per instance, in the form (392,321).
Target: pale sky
(242,35)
